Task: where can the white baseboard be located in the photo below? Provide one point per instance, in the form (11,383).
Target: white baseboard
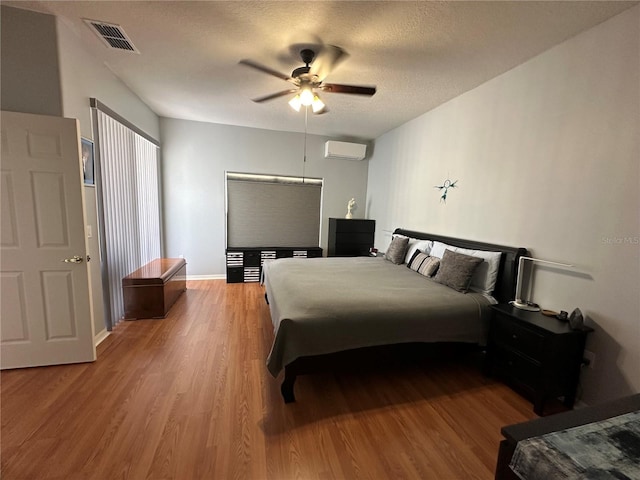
(220,276)
(100,336)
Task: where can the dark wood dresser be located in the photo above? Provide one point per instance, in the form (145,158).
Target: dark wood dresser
(350,237)
(539,355)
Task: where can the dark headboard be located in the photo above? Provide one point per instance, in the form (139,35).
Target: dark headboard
(506,283)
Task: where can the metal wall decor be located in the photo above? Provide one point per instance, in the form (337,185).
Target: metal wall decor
(444,188)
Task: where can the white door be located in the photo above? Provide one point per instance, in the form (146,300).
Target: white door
(44,300)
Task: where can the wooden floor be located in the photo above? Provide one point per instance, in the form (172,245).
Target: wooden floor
(189,397)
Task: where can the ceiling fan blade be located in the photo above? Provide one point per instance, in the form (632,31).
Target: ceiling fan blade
(270,71)
(326,60)
(274,95)
(337,88)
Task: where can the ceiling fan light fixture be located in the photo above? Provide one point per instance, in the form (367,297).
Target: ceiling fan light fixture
(317,105)
(306,96)
(295,103)
(306,80)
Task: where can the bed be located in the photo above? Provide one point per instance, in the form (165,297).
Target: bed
(323,307)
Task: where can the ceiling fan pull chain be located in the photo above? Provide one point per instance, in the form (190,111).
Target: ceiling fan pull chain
(304,158)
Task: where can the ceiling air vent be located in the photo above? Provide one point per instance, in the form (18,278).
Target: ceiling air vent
(112,36)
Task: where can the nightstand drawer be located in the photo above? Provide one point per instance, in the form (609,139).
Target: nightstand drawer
(518,368)
(518,338)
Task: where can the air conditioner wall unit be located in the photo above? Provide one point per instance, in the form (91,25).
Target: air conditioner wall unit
(345,150)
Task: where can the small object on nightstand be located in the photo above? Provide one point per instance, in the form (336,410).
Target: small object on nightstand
(576,320)
(562,316)
(549,313)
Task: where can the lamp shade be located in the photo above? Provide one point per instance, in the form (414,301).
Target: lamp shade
(295,103)
(306,97)
(317,105)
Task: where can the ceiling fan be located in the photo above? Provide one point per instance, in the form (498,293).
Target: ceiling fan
(308,80)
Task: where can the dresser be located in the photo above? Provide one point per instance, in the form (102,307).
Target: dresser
(541,356)
(245,264)
(350,237)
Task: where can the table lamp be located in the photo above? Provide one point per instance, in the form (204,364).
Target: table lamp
(523,304)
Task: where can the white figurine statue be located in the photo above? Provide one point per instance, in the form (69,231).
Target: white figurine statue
(350,206)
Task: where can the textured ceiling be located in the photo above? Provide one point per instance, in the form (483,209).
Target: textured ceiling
(419,54)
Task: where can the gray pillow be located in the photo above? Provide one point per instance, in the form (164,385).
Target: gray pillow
(456,270)
(397,250)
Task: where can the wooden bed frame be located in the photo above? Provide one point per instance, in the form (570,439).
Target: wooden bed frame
(504,291)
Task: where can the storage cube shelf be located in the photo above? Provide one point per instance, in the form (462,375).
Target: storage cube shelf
(244,265)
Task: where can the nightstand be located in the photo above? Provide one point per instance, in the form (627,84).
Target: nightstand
(538,355)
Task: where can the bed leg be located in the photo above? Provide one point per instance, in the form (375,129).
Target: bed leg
(287,386)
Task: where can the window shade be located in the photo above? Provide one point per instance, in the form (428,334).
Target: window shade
(270,211)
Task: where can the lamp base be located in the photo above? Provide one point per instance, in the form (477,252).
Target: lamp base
(529,307)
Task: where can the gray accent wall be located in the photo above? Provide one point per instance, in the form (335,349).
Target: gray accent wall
(195,158)
(546,157)
(30,76)
(46,70)
(83,77)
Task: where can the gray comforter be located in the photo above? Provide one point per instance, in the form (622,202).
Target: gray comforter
(326,305)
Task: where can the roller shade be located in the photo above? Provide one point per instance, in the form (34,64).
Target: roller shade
(272,211)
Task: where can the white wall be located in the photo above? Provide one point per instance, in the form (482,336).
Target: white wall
(547,157)
(195,158)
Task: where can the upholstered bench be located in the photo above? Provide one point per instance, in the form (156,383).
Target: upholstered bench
(150,291)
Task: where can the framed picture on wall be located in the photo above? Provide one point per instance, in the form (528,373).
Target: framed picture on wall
(87,162)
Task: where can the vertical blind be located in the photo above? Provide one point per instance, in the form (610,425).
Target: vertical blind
(131,206)
(273,211)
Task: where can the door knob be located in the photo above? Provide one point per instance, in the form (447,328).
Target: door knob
(74,259)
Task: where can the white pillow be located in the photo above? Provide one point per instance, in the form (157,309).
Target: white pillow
(438,248)
(415,244)
(485,276)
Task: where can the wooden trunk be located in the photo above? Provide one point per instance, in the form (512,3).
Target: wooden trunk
(150,291)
